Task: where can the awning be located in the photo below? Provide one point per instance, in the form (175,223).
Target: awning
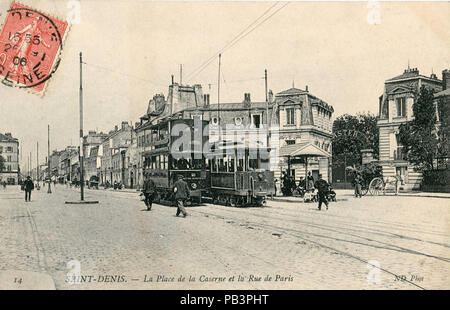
(303,149)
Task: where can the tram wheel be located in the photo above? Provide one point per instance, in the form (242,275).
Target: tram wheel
(232,201)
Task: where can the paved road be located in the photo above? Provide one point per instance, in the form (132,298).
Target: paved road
(369,243)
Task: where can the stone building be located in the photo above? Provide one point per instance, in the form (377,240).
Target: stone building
(9,150)
(91,143)
(115,141)
(295,117)
(395,108)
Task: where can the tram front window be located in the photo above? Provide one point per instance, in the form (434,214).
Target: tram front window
(253,164)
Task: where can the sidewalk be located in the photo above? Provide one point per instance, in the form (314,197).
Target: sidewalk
(350,193)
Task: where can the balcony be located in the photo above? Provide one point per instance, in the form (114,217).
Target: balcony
(399,154)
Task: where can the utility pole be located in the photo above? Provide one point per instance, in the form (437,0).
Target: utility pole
(31,165)
(37,163)
(181,74)
(81,129)
(267,98)
(81,147)
(49,191)
(218,99)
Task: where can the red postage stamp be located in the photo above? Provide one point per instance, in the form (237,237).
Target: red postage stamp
(30,48)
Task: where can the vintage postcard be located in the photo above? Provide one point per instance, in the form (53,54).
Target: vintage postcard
(177,145)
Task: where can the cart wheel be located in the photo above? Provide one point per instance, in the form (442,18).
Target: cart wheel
(364,190)
(376,186)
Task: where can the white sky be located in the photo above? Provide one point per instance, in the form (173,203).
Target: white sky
(328,46)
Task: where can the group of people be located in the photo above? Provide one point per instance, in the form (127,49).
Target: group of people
(180,190)
(288,183)
(324,189)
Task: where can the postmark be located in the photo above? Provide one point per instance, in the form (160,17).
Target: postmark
(30,48)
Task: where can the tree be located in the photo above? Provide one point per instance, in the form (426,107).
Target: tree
(2,163)
(353,133)
(444,127)
(420,136)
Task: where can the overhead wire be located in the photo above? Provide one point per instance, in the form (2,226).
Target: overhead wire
(237,38)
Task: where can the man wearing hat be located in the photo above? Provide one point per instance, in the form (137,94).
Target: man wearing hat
(28,187)
(322,187)
(149,191)
(181,190)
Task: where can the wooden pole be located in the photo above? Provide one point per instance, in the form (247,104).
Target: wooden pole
(81,130)
(49,191)
(37,163)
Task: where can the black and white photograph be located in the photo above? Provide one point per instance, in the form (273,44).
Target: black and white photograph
(224,145)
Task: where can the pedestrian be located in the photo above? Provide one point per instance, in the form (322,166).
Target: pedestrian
(322,188)
(181,190)
(28,187)
(149,191)
(357,184)
(4,185)
(310,181)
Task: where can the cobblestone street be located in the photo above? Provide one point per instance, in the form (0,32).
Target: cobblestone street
(119,245)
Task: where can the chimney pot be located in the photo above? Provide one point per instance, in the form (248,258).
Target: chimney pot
(306,88)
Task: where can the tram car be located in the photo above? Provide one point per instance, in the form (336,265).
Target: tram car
(240,175)
(175,147)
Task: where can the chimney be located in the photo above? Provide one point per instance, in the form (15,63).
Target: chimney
(116,128)
(124,125)
(247,97)
(306,88)
(445,79)
(206,99)
(8,134)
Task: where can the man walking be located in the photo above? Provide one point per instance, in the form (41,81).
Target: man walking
(358,182)
(149,191)
(28,187)
(322,188)
(181,190)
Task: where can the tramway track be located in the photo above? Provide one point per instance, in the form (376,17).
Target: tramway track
(333,229)
(300,235)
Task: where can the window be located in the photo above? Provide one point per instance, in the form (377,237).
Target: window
(215,120)
(256,120)
(290,116)
(401,106)
(9,158)
(290,142)
(238,121)
(9,149)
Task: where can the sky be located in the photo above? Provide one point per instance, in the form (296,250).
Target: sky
(131,49)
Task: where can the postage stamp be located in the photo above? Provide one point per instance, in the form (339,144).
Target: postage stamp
(30,47)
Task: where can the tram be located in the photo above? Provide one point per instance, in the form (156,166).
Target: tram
(240,175)
(176,148)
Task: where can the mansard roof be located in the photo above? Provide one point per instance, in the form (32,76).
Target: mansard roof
(291,92)
(5,138)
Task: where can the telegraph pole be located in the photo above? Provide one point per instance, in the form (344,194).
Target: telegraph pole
(181,74)
(49,191)
(81,129)
(267,98)
(218,100)
(37,164)
(81,152)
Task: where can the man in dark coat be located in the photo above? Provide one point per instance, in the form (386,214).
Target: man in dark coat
(28,187)
(149,191)
(181,190)
(322,188)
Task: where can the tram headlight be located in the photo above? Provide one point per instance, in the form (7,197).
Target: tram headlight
(194,185)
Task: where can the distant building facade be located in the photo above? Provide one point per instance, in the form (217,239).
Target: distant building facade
(396,108)
(9,150)
(297,117)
